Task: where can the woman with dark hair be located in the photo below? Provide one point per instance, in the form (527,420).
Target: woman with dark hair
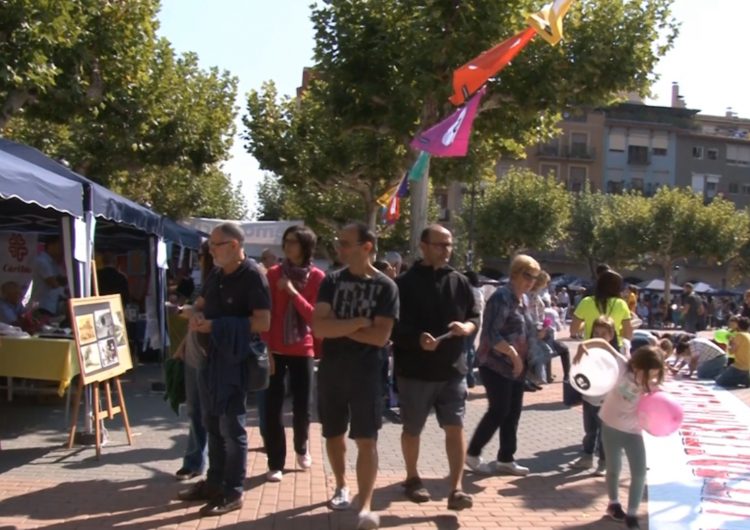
(605,301)
(294,285)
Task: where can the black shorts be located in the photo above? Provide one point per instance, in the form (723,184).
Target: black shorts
(350,391)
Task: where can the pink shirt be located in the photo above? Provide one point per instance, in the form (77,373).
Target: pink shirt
(620,408)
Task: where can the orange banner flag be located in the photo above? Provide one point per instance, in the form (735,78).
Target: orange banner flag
(470,77)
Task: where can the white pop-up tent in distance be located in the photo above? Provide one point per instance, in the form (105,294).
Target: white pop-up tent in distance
(259,235)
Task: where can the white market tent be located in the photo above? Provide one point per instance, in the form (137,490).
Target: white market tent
(259,235)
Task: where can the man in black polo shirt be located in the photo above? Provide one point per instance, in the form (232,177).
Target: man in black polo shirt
(354,316)
(235,302)
(438,311)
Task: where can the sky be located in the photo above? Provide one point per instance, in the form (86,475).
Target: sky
(260,40)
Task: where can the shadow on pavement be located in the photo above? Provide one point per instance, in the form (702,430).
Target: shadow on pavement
(543,492)
(554,460)
(601,524)
(547,407)
(14,458)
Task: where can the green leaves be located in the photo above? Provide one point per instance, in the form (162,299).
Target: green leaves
(521,212)
(383,72)
(89,81)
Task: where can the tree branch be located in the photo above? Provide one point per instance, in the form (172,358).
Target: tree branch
(13,103)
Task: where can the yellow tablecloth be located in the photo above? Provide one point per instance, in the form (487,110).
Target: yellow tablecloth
(46,359)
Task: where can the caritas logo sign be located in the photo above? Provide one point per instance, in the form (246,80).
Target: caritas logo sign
(17,253)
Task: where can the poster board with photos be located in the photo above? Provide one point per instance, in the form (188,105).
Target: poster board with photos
(101,337)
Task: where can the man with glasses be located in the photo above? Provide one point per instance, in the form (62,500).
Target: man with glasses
(234,303)
(354,315)
(438,311)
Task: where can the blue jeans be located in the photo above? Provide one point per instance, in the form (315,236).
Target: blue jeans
(711,369)
(732,377)
(615,443)
(196,394)
(227,448)
(592,426)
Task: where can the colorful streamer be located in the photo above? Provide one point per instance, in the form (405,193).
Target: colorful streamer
(393,210)
(450,137)
(470,77)
(548,22)
(419,169)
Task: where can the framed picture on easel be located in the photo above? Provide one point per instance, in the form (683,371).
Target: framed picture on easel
(101,337)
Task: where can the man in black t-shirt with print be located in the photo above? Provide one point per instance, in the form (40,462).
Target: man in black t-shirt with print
(234,302)
(355,313)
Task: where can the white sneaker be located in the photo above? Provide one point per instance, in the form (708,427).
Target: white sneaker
(340,499)
(508,468)
(304,461)
(477,465)
(274,475)
(368,521)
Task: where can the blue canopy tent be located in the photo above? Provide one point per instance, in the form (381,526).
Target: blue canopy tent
(182,235)
(23,181)
(37,200)
(111,212)
(98,200)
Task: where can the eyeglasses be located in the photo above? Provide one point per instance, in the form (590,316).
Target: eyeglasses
(343,243)
(529,276)
(441,245)
(214,244)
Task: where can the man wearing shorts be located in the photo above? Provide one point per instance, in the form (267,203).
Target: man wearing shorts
(354,315)
(438,311)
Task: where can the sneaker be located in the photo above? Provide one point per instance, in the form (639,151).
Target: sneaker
(304,461)
(220,506)
(200,491)
(186,474)
(584,462)
(368,521)
(614,511)
(508,468)
(458,500)
(477,465)
(415,490)
(340,499)
(274,475)
(601,468)
(631,521)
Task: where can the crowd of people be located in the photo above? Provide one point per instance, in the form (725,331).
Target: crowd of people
(416,338)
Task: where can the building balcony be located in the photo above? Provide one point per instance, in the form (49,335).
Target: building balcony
(639,160)
(575,152)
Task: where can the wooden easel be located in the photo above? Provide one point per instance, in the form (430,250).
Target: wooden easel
(99,413)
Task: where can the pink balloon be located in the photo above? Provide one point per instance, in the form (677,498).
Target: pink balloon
(659,414)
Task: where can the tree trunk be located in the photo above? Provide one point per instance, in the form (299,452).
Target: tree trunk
(371,215)
(667,266)
(13,103)
(419,194)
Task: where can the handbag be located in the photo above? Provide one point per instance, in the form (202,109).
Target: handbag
(258,366)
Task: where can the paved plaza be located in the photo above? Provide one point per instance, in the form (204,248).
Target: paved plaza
(45,485)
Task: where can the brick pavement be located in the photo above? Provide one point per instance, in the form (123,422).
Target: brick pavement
(44,485)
